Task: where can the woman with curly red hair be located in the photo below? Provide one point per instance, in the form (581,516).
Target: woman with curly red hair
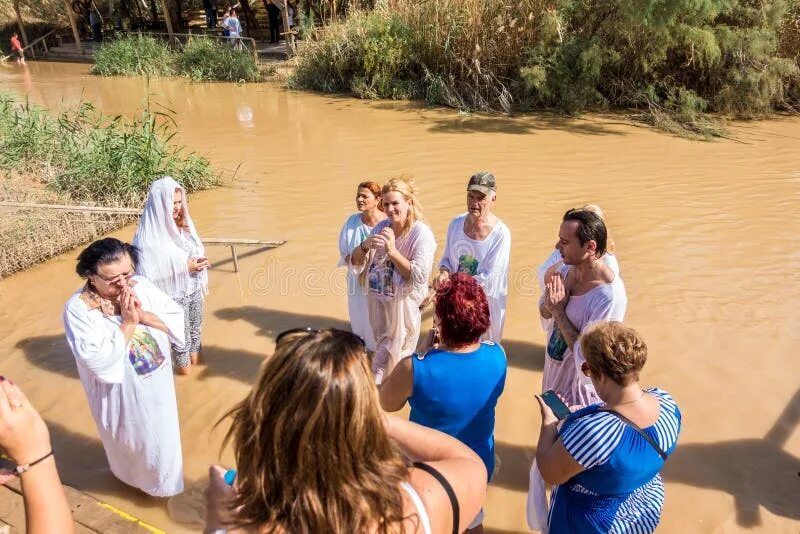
(454,388)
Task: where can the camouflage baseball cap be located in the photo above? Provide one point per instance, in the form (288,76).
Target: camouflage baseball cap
(482,182)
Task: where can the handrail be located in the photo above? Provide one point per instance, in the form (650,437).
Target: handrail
(37,41)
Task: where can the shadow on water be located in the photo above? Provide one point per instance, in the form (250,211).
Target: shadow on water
(524,124)
(270,323)
(50,353)
(755,472)
(513,466)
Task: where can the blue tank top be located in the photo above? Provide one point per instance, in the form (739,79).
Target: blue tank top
(456,393)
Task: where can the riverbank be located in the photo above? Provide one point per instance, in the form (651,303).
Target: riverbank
(78,155)
(702,237)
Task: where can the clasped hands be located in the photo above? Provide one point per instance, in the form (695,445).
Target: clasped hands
(555,293)
(383,240)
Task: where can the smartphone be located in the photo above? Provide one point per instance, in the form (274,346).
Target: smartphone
(560,410)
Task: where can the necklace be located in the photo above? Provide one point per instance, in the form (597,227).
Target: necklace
(631,401)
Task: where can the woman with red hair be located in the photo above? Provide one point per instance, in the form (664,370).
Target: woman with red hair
(454,388)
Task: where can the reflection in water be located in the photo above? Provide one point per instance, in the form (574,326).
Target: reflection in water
(702,235)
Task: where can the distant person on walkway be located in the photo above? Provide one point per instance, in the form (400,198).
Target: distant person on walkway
(119,327)
(398,256)
(16,48)
(274,14)
(454,388)
(234,27)
(479,244)
(96,22)
(356,229)
(606,458)
(582,292)
(315,453)
(290,15)
(25,440)
(210,8)
(172,256)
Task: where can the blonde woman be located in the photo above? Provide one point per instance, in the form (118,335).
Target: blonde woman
(398,256)
(356,229)
(315,453)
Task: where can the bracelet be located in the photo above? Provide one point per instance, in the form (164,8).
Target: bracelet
(361,246)
(25,467)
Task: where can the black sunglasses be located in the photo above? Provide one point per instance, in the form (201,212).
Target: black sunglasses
(314,331)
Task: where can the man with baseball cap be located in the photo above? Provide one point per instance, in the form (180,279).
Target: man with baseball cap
(479,244)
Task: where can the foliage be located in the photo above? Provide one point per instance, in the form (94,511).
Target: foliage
(200,59)
(676,59)
(95,158)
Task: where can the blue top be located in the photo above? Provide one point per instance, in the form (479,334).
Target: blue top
(456,393)
(621,490)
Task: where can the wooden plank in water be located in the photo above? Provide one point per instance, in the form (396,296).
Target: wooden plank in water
(232,241)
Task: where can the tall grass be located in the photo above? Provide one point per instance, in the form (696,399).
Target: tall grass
(671,62)
(94,158)
(200,59)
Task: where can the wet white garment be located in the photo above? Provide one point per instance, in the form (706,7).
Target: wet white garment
(486,260)
(562,365)
(130,388)
(165,249)
(394,301)
(353,233)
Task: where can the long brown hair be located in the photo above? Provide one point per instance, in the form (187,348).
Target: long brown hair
(311,447)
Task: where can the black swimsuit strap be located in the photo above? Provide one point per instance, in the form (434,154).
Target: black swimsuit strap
(447,489)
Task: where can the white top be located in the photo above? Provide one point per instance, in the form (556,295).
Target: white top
(422,513)
(486,260)
(394,301)
(130,388)
(353,233)
(165,249)
(562,365)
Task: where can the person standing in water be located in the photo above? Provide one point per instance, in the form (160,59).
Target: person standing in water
(16,48)
(398,256)
(479,244)
(119,327)
(173,258)
(584,291)
(356,229)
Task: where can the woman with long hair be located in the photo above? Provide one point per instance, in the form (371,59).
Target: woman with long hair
(172,257)
(356,229)
(398,256)
(315,453)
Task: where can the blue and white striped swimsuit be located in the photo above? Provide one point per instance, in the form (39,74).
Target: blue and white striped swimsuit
(621,490)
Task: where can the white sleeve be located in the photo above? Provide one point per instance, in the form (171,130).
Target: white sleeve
(103,355)
(344,246)
(552,259)
(422,257)
(445,263)
(166,309)
(495,264)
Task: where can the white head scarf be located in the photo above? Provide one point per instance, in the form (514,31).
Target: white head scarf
(165,249)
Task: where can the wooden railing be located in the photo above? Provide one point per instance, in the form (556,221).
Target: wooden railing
(32,45)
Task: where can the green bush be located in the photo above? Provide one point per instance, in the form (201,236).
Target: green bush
(669,60)
(95,158)
(206,59)
(201,59)
(134,55)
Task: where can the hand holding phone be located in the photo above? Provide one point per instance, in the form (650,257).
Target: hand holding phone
(560,410)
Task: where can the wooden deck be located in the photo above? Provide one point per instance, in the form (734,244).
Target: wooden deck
(89,514)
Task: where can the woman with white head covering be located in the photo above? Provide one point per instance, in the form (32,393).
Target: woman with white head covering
(173,258)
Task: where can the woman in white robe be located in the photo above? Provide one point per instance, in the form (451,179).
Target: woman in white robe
(356,229)
(119,327)
(398,256)
(172,256)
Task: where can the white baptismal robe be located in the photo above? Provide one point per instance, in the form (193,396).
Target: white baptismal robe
(130,387)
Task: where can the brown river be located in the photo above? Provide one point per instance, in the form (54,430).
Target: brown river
(705,235)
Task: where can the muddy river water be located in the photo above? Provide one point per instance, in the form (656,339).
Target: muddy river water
(706,236)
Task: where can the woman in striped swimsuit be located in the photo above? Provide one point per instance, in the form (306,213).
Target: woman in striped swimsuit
(606,458)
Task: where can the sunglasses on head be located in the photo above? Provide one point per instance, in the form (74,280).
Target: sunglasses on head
(306,331)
